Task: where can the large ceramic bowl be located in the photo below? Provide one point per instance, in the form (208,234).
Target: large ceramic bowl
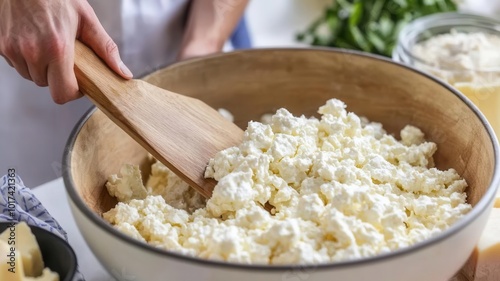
(251,83)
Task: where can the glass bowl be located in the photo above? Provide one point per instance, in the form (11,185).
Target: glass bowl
(481,86)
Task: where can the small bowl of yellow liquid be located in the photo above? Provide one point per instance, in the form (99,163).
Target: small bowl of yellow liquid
(461,49)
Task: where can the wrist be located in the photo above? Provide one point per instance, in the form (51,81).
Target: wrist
(200,47)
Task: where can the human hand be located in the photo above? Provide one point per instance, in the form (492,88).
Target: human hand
(37,38)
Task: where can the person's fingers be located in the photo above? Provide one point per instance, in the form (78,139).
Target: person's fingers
(93,35)
(20,65)
(7,60)
(61,76)
(36,63)
(15,59)
(38,73)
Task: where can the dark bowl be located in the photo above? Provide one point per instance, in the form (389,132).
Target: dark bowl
(57,254)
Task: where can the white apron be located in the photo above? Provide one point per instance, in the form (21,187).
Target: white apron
(34,130)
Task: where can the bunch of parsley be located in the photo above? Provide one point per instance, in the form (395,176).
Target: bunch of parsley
(369,25)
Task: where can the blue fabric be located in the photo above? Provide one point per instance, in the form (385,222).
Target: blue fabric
(27,208)
(240,39)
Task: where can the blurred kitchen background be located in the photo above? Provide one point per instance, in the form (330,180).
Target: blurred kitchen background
(270,23)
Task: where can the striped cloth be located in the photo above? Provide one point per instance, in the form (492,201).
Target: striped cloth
(17,203)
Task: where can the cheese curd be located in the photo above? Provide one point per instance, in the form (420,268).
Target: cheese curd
(341,187)
(468,61)
(467,55)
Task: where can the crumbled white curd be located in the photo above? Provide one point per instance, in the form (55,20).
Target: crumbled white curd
(468,61)
(462,57)
(341,186)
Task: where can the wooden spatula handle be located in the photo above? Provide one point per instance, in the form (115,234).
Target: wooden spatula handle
(94,77)
(133,105)
(181,132)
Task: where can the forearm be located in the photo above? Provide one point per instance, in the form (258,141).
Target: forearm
(210,24)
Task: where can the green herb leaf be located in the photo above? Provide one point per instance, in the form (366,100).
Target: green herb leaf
(371,26)
(359,38)
(376,41)
(356,13)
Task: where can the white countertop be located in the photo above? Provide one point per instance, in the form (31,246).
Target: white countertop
(53,197)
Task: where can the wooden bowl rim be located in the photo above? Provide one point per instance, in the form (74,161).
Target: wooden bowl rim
(478,209)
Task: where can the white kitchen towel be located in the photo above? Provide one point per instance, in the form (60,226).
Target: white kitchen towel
(27,208)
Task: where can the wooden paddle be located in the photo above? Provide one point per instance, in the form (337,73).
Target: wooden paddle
(181,132)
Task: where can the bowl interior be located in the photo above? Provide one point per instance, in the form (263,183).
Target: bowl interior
(252,83)
(57,254)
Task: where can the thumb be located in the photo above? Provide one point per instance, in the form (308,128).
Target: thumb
(94,36)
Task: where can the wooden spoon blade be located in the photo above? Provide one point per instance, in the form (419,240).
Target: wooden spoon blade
(183,134)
